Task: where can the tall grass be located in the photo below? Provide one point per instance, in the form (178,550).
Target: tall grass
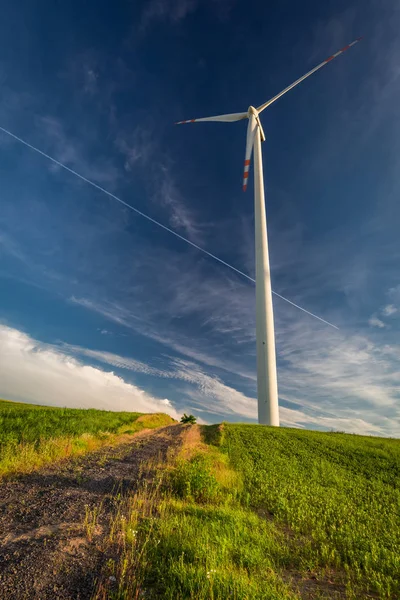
(186,536)
(262,514)
(31,436)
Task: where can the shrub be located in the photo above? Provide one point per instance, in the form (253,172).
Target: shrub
(188,419)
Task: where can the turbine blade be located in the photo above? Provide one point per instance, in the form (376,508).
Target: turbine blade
(251,131)
(263,106)
(225,118)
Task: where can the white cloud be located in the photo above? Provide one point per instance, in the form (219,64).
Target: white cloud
(212,394)
(354,380)
(389,310)
(34,372)
(375,322)
(197,309)
(356,389)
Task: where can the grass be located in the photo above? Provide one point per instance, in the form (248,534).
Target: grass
(186,535)
(31,435)
(243,511)
(339,494)
(256,513)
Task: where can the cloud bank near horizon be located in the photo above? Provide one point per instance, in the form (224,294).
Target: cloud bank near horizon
(56,375)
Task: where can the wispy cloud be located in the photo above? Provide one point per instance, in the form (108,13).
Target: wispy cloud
(394,294)
(206,315)
(111,311)
(299,419)
(389,310)
(11,246)
(181,216)
(197,317)
(170,10)
(71,152)
(208,393)
(82,71)
(110,358)
(375,322)
(340,374)
(175,11)
(335,408)
(136,147)
(144,158)
(333,377)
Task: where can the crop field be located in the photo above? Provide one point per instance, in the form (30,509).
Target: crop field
(257,513)
(32,435)
(338,494)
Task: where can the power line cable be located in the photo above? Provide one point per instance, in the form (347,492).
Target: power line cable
(139,212)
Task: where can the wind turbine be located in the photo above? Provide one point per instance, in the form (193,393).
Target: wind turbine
(267,386)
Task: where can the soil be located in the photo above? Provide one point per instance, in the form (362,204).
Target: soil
(45,552)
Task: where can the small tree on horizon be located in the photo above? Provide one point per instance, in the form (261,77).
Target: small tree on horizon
(188,419)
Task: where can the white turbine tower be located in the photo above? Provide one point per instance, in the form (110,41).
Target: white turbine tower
(267,387)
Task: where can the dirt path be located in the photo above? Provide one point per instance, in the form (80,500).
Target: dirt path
(44,548)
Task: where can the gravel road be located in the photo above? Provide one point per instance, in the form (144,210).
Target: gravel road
(44,550)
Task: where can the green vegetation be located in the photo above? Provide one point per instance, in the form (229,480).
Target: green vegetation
(338,494)
(31,435)
(188,537)
(188,419)
(259,513)
(243,511)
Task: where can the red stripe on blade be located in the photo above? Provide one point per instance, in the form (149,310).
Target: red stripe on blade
(246,163)
(345,48)
(329,59)
(245,175)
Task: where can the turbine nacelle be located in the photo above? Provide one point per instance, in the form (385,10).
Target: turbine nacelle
(252,114)
(267,387)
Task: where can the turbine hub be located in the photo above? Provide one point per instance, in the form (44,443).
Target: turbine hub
(252,111)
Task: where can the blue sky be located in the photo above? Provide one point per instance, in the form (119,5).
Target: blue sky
(99,307)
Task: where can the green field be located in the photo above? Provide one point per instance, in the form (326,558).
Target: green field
(259,513)
(339,494)
(32,435)
(244,511)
